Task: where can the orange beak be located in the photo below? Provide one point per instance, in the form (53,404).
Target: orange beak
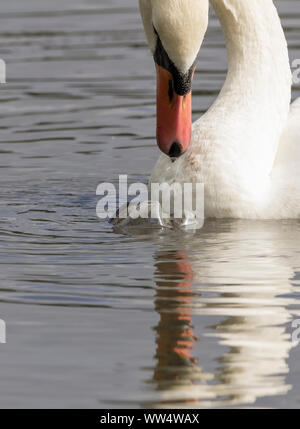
(174,116)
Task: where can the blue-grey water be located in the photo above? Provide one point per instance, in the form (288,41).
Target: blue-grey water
(98,317)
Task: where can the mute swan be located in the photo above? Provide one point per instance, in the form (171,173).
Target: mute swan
(246,147)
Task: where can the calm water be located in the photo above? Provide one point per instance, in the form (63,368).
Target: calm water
(98,317)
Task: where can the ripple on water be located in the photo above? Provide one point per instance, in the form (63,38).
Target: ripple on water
(127,318)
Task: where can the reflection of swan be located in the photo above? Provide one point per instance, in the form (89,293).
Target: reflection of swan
(177,369)
(246,148)
(228,304)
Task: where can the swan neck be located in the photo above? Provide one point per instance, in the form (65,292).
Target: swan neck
(257,91)
(252,31)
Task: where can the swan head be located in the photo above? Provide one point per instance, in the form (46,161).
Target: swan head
(175,31)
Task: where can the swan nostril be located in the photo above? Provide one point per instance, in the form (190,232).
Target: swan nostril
(175,150)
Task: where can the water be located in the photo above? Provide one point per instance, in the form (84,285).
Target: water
(97,317)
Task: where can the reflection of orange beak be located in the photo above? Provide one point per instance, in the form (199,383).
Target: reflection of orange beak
(174,116)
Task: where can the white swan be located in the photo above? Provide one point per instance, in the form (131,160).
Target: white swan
(246,147)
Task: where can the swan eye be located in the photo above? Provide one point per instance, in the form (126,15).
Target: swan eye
(182,82)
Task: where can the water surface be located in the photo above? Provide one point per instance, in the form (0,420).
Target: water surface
(97,317)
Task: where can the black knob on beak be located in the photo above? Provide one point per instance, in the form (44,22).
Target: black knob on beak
(175,150)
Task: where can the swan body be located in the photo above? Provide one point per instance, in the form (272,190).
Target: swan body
(246,148)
